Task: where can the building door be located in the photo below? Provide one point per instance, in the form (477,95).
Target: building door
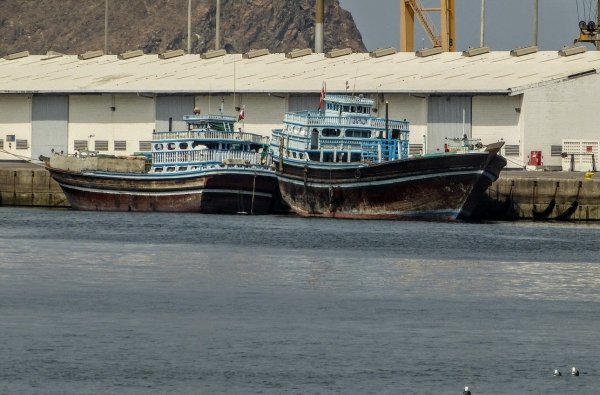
(447,116)
(170,111)
(49,125)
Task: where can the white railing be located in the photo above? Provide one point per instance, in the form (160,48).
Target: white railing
(209,135)
(345,99)
(209,117)
(307,118)
(165,158)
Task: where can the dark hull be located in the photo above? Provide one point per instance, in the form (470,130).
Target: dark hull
(444,187)
(218,192)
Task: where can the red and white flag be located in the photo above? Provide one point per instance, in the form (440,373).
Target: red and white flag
(322,98)
(241,115)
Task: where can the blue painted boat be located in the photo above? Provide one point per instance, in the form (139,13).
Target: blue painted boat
(341,161)
(207,168)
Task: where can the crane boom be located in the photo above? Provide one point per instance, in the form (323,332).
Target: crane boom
(426,22)
(410,8)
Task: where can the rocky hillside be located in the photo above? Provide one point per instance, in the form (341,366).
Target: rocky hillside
(76,26)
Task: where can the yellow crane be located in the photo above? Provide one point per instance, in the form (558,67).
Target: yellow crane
(410,8)
(589,32)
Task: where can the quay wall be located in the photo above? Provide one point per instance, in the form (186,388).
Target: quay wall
(515,195)
(543,196)
(29,185)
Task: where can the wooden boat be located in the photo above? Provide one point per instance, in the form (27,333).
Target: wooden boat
(342,162)
(208,168)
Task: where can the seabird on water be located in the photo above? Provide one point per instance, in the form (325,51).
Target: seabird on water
(466,391)
(557,373)
(575,372)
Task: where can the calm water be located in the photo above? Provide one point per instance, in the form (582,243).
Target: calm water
(125,303)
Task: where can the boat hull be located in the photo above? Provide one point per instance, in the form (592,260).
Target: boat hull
(444,187)
(211,192)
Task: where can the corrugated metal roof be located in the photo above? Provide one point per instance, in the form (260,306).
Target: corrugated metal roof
(446,73)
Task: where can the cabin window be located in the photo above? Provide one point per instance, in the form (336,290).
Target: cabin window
(183,168)
(346,108)
(294,154)
(237,147)
(183,145)
(314,156)
(352,109)
(355,157)
(171,168)
(331,132)
(356,133)
(359,109)
(171,146)
(158,170)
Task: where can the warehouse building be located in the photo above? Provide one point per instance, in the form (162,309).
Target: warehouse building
(541,104)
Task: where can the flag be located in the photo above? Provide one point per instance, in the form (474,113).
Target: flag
(241,115)
(322,98)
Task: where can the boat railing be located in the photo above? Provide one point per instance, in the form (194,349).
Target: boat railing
(345,99)
(317,118)
(209,135)
(205,155)
(209,117)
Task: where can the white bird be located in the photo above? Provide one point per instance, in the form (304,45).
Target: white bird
(557,373)
(466,391)
(575,372)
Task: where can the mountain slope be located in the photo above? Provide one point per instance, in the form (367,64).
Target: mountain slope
(76,26)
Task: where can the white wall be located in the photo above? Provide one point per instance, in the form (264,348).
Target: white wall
(15,119)
(498,118)
(411,108)
(567,110)
(262,112)
(132,120)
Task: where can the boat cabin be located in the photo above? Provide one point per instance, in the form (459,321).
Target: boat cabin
(209,142)
(343,131)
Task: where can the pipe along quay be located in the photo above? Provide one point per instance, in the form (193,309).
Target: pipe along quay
(536,195)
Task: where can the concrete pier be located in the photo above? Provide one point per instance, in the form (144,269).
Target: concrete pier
(550,195)
(25,184)
(539,195)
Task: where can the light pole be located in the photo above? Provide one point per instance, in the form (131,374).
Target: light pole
(482,41)
(189,51)
(535,22)
(105,27)
(218,33)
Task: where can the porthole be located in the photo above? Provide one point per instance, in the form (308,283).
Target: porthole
(171,146)
(183,145)
(158,147)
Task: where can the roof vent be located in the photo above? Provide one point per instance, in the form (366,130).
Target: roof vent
(254,53)
(17,55)
(429,52)
(297,53)
(89,55)
(520,51)
(171,54)
(334,53)
(568,51)
(130,54)
(379,52)
(214,54)
(476,51)
(52,55)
